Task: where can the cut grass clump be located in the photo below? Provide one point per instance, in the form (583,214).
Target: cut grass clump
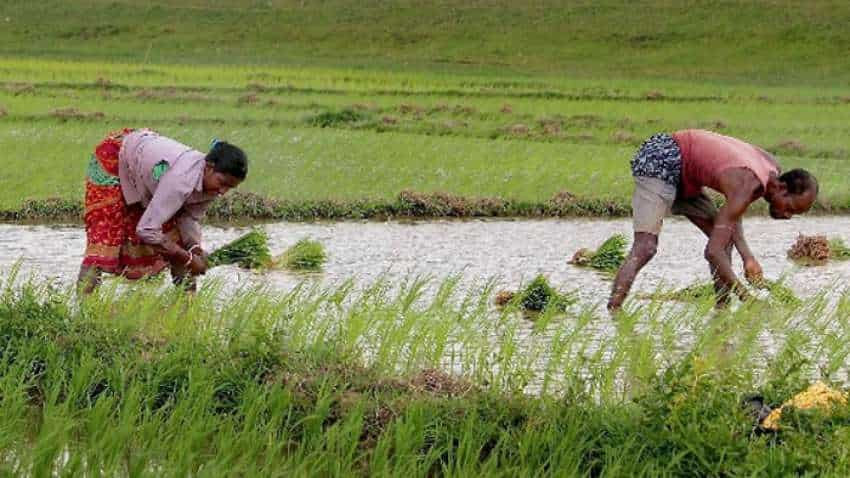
(818,250)
(305,255)
(250,251)
(537,296)
(608,258)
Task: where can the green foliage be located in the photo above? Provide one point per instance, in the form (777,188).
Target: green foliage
(148,381)
(611,254)
(305,255)
(778,293)
(696,292)
(452,37)
(838,249)
(441,152)
(538,295)
(608,258)
(250,251)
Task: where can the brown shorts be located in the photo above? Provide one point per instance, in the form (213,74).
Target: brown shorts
(654,199)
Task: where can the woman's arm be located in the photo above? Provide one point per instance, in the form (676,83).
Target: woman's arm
(169,197)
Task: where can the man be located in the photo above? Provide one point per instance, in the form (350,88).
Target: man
(670,172)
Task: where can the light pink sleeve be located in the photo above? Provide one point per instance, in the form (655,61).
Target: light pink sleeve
(169,197)
(189,222)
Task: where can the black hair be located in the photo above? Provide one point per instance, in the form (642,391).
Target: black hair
(799,181)
(228,159)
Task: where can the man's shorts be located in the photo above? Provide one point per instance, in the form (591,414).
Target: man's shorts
(657,170)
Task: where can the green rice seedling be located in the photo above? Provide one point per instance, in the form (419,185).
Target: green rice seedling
(250,251)
(693,293)
(538,295)
(150,382)
(780,293)
(838,249)
(703,291)
(608,258)
(305,255)
(611,254)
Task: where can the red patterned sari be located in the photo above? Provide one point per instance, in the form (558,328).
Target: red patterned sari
(111,241)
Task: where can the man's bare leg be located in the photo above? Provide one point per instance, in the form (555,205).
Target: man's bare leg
(643,250)
(89,279)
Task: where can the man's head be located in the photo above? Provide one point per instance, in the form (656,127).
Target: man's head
(792,193)
(226,168)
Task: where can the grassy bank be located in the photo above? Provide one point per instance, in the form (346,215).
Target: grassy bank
(249,207)
(342,383)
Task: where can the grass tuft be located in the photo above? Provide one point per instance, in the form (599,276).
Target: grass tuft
(537,296)
(329,119)
(305,255)
(251,251)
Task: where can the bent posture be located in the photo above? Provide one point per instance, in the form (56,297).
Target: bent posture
(145,196)
(670,172)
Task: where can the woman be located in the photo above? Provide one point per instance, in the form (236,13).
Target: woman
(145,196)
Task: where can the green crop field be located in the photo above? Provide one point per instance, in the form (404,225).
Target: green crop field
(365,109)
(483,99)
(152,383)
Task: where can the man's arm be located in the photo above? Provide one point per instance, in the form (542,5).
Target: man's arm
(752,268)
(739,187)
(741,242)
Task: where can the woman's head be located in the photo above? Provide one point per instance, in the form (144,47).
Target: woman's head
(226,168)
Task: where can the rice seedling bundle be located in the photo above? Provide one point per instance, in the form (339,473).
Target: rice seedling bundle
(305,255)
(608,258)
(537,296)
(250,251)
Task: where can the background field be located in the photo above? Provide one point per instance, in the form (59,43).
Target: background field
(476,99)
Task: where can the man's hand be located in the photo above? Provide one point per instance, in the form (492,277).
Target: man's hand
(740,187)
(753,271)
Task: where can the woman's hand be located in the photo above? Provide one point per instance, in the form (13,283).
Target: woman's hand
(198,264)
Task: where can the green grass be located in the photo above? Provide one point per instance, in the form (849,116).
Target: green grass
(413,131)
(761,41)
(146,382)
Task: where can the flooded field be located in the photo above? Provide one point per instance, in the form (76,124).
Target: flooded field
(510,252)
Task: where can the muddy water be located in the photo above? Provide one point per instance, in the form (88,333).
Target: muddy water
(509,251)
